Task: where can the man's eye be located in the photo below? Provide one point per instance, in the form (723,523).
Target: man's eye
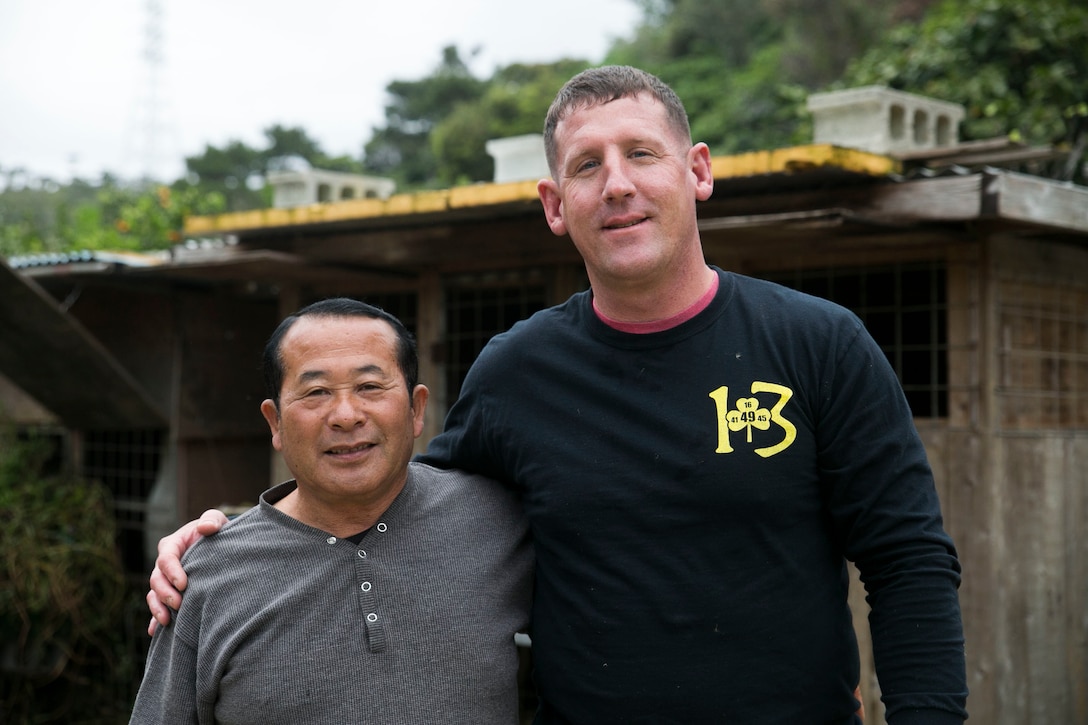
(587,166)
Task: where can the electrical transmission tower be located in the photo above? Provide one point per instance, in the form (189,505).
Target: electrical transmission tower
(147,139)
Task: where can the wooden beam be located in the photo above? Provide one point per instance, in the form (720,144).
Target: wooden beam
(1045,202)
(53,358)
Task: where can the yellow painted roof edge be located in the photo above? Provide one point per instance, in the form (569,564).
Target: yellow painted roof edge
(796,159)
(418,202)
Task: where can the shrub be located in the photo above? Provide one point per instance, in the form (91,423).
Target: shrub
(62,591)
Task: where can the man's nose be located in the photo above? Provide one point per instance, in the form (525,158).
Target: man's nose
(347,411)
(618,183)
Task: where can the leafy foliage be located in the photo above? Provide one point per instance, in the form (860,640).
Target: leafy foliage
(402,150)
(61,594)
(80,216)
(1018,66)
(236,171)
(744,68)
(515,103)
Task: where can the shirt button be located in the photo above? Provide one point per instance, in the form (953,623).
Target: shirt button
(366,586)
(362,554)
(330,540)
(382,527)
(372,617)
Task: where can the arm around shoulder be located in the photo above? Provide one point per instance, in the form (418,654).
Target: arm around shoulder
(168,579)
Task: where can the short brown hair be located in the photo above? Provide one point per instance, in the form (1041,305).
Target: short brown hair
(605,84)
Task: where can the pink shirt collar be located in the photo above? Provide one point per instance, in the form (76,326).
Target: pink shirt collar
(643,328)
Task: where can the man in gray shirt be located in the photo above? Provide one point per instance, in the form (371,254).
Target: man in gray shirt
(368,589)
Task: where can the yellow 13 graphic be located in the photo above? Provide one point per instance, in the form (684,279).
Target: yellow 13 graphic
(748,415)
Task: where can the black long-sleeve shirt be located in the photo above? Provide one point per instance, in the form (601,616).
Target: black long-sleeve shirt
(693,495)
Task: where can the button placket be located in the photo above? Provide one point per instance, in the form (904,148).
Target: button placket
(368,601)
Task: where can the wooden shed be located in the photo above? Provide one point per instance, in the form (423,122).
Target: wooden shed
(973,278)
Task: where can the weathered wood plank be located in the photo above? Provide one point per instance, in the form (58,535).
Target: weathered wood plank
(53,358)
(1018,197)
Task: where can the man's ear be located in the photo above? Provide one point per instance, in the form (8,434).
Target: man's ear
(272,417)
(701,168)
(419,406)
(553,205)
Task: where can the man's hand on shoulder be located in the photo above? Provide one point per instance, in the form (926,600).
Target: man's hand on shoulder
(168,580)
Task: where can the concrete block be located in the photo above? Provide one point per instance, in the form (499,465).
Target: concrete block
(518,158)
(317,186)
(884,121)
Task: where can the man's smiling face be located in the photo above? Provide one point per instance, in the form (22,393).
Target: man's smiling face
(626,187)
(347,422)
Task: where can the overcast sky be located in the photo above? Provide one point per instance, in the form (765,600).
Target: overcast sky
(76,92)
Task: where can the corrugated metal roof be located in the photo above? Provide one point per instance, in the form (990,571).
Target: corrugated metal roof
(84,257)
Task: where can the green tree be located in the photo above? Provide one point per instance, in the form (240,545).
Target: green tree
(515,103)
(27,214)
(402,149)
(109,216)
(294,143)
(237,171)
(744,69)
(820,38)
(730,31)
(1018,66)
(153,219)
(230,171)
